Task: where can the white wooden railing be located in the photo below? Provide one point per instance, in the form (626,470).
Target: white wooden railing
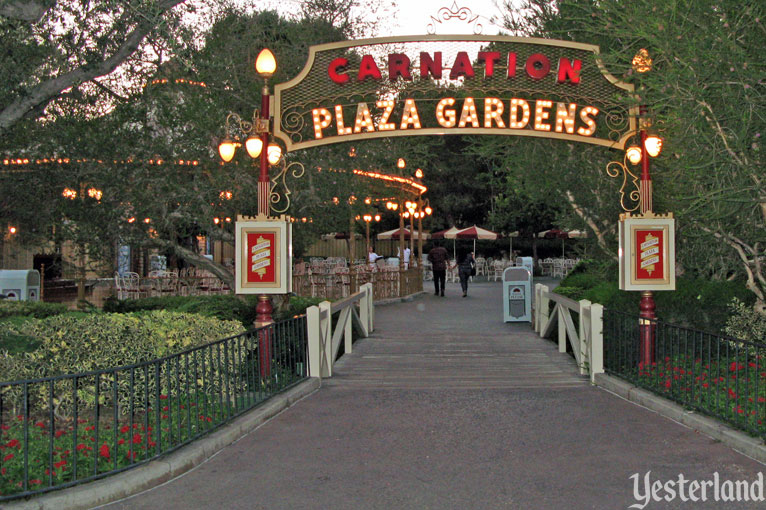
(324,343)
(586,339)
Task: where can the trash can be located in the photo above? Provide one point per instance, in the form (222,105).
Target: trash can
(517,295)
(528,263)
(20,284)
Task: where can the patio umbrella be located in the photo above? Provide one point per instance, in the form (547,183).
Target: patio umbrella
(445,234)
(556,233)
(394,234)
(475,233)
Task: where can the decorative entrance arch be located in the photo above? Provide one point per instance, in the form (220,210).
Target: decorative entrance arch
(436,85)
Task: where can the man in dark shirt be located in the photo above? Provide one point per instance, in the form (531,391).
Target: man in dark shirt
(438,259)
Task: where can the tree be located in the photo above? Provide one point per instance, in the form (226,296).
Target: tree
(53,48)
(706,96)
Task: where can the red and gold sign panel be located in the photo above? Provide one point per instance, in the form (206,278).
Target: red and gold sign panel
(263,257)
(647,252)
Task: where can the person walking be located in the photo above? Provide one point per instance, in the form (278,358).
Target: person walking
(466,270)
(438,259)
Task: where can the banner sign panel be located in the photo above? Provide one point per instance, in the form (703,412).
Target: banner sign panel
(459,84)
(262,264)
(647,252)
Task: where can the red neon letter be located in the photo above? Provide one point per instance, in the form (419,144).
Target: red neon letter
(368,68)
(538,66)
(398,65)
(431,65)
(337,70)
(489,58)
(511,65)
(569,70)
(462,66)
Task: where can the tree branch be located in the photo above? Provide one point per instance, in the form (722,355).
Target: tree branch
(50,89)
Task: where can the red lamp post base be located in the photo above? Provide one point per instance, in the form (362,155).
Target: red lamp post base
(263,318)
(647,328)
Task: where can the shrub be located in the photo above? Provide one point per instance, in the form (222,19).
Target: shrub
(224,307)
(36,309)
(71,344)
(745,323)
(696,303)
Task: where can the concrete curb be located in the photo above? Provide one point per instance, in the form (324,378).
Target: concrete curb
(165,468)
(739,441)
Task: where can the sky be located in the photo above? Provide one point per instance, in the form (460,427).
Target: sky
(413,17)
(416,17)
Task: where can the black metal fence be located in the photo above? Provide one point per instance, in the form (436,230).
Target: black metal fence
(61,431)
(716,375)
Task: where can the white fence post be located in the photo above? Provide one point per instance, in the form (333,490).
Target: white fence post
(347,330)
(325,327)
(544,311)
(536,307)
(596,341)
(367,308)
(562,328)
(314,341)
(584,331)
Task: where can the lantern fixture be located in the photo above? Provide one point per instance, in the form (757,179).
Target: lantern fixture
(653,145)
(265,63)
(634,154)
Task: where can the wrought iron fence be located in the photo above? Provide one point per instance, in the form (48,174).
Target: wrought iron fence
(57,432)
(716,375)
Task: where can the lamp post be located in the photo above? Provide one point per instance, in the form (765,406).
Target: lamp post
(367,219)
(651,146)
(257,133)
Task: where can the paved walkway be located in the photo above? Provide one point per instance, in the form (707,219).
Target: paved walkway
(447,407)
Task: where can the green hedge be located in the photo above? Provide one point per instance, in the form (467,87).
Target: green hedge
(69,344)
(696,303)
(36,309)
(224,307)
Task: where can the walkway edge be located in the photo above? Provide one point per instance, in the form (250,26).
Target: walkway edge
(735,439)
(165,468)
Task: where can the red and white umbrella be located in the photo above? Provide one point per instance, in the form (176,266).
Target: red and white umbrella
(445,234)
(405,232)
(475,233)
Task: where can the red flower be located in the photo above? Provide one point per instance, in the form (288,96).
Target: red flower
(8,457)
(12,443)
(125,429)
(165,408)
(667,383)
(2,471)
(35,482)
(81,447)
(48,471)
(121,441)
(732,394)
(40,424)
(60,433)
(5,427)
(136,438)
(705,385)
(164,416)
(59,463)
(104,451)
(163,397)
(90,427)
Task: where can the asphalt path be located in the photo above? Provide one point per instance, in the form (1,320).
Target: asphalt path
(446,406)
